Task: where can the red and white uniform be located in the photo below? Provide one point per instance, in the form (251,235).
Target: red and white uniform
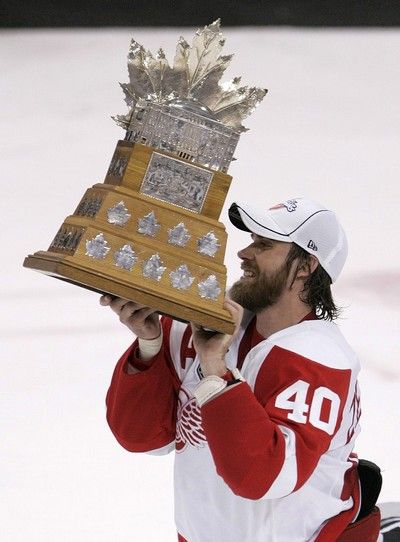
(268,460)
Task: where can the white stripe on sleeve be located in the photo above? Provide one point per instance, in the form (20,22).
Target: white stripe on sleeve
(287,478)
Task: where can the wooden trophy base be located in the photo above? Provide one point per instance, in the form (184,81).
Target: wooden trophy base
(61,267)
(130,244)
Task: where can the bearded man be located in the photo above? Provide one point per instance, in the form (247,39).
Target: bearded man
(263,422)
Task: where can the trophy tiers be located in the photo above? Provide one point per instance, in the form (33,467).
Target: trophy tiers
(149,233)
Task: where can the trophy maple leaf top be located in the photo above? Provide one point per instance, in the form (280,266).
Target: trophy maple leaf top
(150,232)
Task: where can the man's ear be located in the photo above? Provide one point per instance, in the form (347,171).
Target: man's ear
(307,267)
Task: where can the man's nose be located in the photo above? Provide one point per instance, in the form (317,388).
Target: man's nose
(246,253)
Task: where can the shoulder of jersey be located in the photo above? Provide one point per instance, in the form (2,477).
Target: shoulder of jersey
(320,341)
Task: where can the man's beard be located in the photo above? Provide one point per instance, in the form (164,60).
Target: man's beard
(261,291)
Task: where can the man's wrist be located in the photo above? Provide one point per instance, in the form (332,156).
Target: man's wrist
(148,348)
(213,368)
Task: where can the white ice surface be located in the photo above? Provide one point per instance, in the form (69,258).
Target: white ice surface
(329,128)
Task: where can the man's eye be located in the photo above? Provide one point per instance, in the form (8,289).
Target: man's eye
(263,245)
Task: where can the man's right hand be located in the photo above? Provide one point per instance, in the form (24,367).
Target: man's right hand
(143,321)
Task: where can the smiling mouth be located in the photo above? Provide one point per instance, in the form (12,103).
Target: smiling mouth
(248,274)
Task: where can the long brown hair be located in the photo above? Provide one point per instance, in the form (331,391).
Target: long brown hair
(317,288)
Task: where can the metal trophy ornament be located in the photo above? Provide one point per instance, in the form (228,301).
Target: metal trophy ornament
(150,233)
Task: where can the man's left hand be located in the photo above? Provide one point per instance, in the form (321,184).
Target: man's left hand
(212,346)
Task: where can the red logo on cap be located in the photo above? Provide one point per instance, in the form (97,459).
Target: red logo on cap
(290,205)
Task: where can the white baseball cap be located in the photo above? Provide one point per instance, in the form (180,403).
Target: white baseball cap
(305,222)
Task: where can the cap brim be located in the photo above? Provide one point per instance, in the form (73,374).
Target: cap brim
(236,219)
(246,218)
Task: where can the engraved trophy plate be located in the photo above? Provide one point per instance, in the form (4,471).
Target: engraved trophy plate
(117,166)
(118,214)
(148,225)
(181,277)
(179,235)
(176,182)
(125,258)
(151,232)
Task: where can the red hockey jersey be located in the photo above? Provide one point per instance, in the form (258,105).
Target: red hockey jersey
(268,460)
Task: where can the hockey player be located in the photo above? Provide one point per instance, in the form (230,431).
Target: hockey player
(263,422)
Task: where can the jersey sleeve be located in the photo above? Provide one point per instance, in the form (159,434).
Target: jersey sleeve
(267,443)
(141,407)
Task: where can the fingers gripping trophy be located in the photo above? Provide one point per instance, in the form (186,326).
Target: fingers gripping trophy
(150,232)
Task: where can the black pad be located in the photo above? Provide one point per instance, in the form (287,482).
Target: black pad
(371,484)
